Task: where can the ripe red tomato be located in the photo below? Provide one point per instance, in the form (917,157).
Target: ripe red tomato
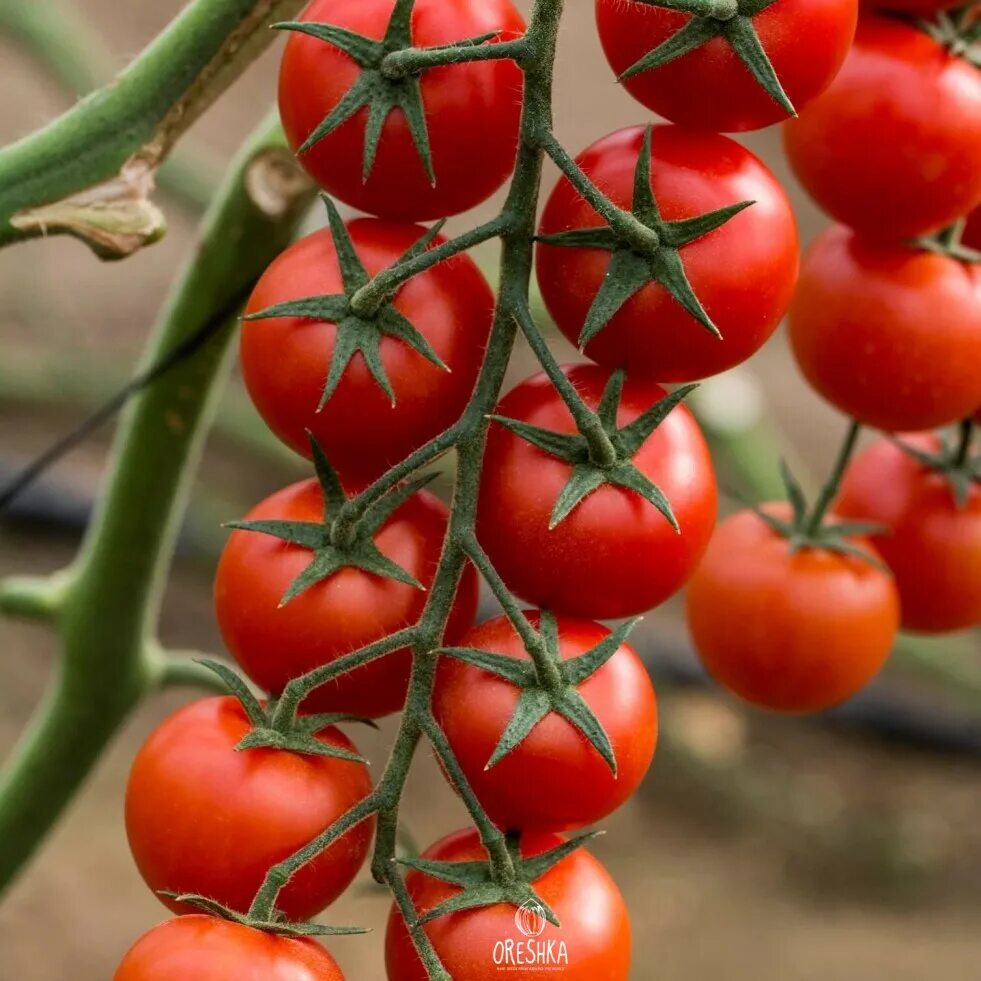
(744,272)
(932,545)
(203,818)
(593,943)
(205,948)
(790,631)
(710,87)
(615,555)
(285,360)
(889,334)
(472,110)
(351,609)
(573,785)
(893,148)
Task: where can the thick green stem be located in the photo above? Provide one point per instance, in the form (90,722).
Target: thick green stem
(54,34)
(108,612)
(90,172)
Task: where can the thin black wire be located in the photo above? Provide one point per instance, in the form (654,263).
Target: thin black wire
(140,382)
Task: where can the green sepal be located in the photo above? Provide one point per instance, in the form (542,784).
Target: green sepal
(278,927)
(372,90)
(357,334)
(957,465)
(534,704)
(239,689)
(295,741)
(520,673)
(632,267)
(329,555)
(739,31)
(477,885)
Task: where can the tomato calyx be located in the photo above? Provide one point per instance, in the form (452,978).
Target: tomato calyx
(480,886)
(646,249)
(276,924)
(959,31)
(345,538)
(954,461)
(590,470)
(548,684)
(390,79)
(812,527)
(272,729)
(731,20)
(360,326)
(948,242)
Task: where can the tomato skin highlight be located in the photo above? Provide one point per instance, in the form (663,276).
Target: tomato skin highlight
(572,785)
(933,546)
(893,148)
(470,161)
(889,334)
(710,88)
(203,818)
(285,360)
(204,948)
(652,336)
(274,644)
(615,555)
(595,923)
(792,632)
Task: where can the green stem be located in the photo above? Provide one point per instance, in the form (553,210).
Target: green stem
(830,490)
(62,42)
(963,448)
(109,610)
(412,61)
(719,9)
(89,172)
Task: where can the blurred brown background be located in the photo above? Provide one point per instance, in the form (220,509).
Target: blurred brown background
(759,849)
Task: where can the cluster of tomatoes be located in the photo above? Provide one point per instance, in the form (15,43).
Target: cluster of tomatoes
(701,266)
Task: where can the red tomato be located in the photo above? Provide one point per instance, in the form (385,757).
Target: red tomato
(744,272)
(351,609)
(593,943)
(972,230)
(889,334)
(573,785)
(710,87)
(285,360)
(615,555)
(208,949)
(933,546)
(893,148)
(472,110)
(203,818)
(791,631)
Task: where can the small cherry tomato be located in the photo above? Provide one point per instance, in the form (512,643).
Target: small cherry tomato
(615,555)
(793,631)
(204,948)
(743,273)
(931,543)
(472,110)
(592,944)
(206,819)
(286,360)
(889,334)
(893,148)
(275,643)
(710,87)
(573,785)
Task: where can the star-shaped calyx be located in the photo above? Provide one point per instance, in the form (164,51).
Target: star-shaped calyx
(357,330)
(655,259)
(731,20)
(382,92)
(589,475)
(295,735)
(336,542)
(955,461)
(479,888)
(556,690)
